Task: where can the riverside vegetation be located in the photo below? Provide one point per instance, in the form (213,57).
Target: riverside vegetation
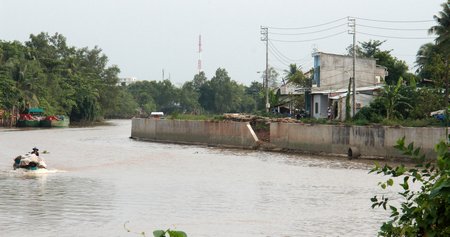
(424,211)
(47,72)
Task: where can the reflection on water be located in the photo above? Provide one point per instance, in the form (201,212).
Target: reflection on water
(111,179)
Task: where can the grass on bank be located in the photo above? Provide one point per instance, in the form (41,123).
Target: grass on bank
(428,122)
(177,116)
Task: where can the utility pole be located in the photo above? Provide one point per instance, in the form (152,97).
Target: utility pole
(352,24)
(265,37)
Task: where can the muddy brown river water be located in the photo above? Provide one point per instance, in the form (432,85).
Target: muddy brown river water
(100,179)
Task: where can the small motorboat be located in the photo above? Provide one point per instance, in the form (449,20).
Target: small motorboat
(29,161)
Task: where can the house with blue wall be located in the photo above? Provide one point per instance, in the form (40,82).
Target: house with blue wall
(332,73)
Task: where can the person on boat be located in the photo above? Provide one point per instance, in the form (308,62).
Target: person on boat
(17,162)
(35,151)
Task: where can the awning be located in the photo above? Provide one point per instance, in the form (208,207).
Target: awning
(35,110)
(366,88)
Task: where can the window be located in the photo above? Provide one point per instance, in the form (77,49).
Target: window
(316,107)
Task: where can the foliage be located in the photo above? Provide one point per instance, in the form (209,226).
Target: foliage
(295,76)
(272,79)
(188,97)
(46,72)
(431,64)
(178,116)
(157,233)
(415,107)
(369,114)
(392,99)
(442,29)
(221,94)
(371,49)
(424,211)
(433,59)
(169,233)
(257,92)
(124,107)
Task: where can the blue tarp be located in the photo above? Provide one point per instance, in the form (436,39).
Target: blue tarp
(35,110)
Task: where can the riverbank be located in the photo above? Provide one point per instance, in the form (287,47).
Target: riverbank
(338,140)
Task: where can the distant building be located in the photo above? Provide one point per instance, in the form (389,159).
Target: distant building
(332,73)
(289,94)
(125,81)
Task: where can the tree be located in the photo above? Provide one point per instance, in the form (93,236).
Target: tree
(371,49)
(425,101)
(273,77)
(396,68)
(143,93)
(443,43)
(166,96)
(442,29)
(295,76)
(223,95)
(46,72)
(124,107)
(424,211)
(366,49)
(198,81)
(392,99)
(224,99)
(189,96)
(257,91)
(430,63)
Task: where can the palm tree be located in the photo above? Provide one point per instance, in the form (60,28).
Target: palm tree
(443,43)
(424,55)
(295,75)
(289,74)
(442,28)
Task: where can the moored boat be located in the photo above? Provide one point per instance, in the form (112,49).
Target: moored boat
(57,121)
(34,117)
(30,118)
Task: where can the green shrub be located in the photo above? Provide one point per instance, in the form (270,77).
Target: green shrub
(424,211)
(361,122)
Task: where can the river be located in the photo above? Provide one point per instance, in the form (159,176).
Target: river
(100,180)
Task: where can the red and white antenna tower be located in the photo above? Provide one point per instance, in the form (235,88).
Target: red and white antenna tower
(199,53)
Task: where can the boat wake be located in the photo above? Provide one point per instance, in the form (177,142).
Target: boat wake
(25,172)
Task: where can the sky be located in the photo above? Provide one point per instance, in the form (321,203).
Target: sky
(146,37)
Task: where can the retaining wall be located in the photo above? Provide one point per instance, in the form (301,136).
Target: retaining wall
(370,140)
(225,133)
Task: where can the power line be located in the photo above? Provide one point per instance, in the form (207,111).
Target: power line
(394,37)
(386,28)
(285,57)
(276,68)
(311,32)
(308,40)
(306,27)
(394,21)
(284,62)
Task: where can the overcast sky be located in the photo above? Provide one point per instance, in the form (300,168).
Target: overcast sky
(143,37)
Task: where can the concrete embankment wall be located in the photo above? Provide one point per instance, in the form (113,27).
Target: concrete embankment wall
(226,133)
(371,141)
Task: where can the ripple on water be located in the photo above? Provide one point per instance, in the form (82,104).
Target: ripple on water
(53,198)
